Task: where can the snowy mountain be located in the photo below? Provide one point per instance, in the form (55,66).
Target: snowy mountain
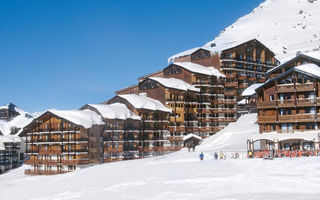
(179,175)
(19,122)
(284,26)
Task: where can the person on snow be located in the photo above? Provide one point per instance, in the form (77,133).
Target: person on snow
(201,156)
(221,155)
(215,155)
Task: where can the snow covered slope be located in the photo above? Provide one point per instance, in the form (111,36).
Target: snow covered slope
(19,121)
(179,175)
(284,26)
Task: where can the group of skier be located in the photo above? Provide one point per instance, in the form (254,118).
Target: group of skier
(221,156)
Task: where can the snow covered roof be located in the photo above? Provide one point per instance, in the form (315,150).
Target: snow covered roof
(251,90)
(8,138)
(309,69)
(315,55)
(115,111)
(186,53)
(190,135)
(85,118)
(144,102)
(196,68)
(242,102)
(274,136)
(175,84)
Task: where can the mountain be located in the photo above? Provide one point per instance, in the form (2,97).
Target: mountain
(18,122)
(284,26)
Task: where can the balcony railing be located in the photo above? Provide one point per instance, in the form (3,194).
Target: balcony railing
(286,103)
(267,119)
(49,151)
(74,162)
(232,84)
(266,104)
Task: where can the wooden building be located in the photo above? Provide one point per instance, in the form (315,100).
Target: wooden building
(8,112)
(242,63)
(288,109)
(181,98)
(214,110)
(10,152)
(153,128)
(121,131)
(61,141)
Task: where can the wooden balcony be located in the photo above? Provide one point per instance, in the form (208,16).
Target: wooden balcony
(262,80)
(242,77)
(216,129)
(252,78)
(175,138)
(286,103)
(267,119)
(224,110)
(32,162)
(230,93)
(113,150)
(285,88)
(266,104)
(304,87)
(205,129)
(43,172)
(305,102)
(172,148)
(227,102)
(243,85)
(74,162)
(231,75)
(49,162)
(232,84)
(49,151)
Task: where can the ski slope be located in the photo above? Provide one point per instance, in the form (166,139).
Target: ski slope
(178,176)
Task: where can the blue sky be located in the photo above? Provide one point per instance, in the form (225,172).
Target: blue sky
(63,54)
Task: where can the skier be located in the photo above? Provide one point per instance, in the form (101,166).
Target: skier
(201,156)
(221,155)
(216,155)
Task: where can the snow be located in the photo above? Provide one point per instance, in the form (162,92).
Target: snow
(144,102)
(19,121)
(284,26)
(175,84)
(8,138)
(115,111)
(251,90)
(313,54)
(242,102)
(309,68)
(179,175)
(190,135)
(85,118)
(185,53)
(196,68)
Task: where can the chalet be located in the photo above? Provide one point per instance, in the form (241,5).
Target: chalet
(7,112)
(59,141)
(301,58)
(121,132)
(288,110)
(243,63)
(154,124)
(180,97)
(10,152)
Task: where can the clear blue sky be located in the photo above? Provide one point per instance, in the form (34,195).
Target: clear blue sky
(66,53)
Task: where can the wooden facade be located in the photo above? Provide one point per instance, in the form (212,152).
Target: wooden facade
(57,145)
(214,110)
(153,128)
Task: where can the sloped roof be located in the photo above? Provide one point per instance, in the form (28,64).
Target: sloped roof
(144,102)
(196,68)
(309,69)
(115,111)
(175,83)
(251,90)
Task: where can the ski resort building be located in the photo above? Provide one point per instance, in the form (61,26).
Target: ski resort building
(242,63)
(214,111)
(7,112)
(10,152)
(61,141)
(180,97)
(154,124)
(121,131)
(288,107)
